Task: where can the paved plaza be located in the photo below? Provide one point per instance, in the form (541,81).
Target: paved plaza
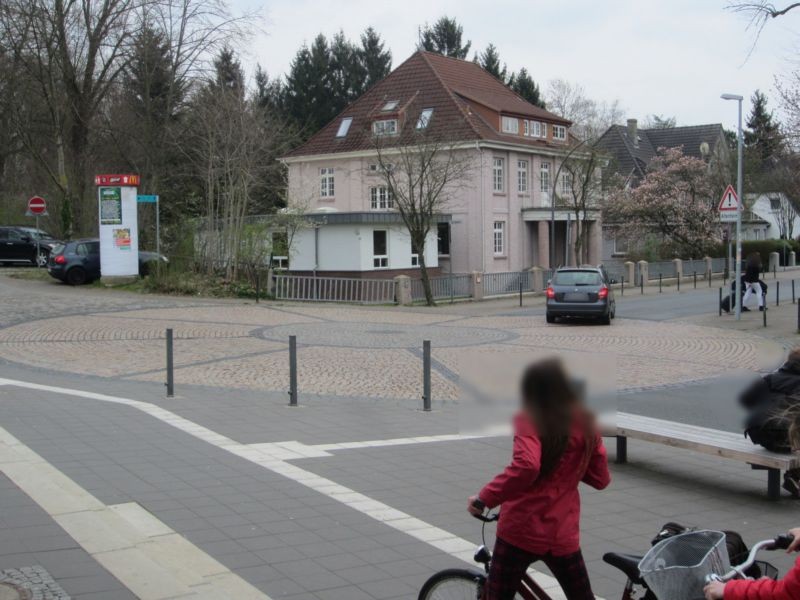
(111,490)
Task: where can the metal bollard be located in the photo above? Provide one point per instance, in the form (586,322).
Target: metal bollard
(695,279)
(641,283)
(170,367)
(679,283)
(622,286)
(292,370)
(720,302)
(777,293)
(426,375)
(659,283)
(764,312)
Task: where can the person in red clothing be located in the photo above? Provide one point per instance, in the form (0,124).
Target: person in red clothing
(556,446)
(787,588)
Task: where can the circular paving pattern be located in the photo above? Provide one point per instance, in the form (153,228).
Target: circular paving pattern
(350,351)
(379,335)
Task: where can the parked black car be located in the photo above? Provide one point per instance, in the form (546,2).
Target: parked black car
(78,262)
(18,245)
(580,292)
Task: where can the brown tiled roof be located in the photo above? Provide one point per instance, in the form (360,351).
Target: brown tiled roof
(455,89)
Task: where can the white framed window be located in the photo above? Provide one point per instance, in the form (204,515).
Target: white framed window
(522,176)
(385,127)
(498,174)
(526,128)
(375,168)
(390,105)
(344,127)
(510,125)
(559,132)
(544,130)
(566,184)
(499,230)
(414,255)
(536,129)
(424,118)
(544,177)
(380,249)
(380,198)
(326,182)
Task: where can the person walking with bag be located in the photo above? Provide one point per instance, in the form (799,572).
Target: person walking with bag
(752,281)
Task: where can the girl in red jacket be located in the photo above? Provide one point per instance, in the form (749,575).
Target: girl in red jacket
(787,588)
(556,446)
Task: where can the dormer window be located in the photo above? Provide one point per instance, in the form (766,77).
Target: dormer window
(559,132)
(384,127)
(344,127)
(510,125)
(424,118)
(391,105)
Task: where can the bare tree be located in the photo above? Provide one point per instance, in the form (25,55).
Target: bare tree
(590,118)
(423,169)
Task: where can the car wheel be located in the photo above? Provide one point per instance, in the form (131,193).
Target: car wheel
(606,319)
(41,259)
(550,318)
(76,276)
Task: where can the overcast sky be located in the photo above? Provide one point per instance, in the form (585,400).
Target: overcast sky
(672,58)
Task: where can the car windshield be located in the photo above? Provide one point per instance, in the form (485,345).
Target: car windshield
(577,278)
(36,234)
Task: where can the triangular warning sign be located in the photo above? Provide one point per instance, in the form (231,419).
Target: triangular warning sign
(730,201)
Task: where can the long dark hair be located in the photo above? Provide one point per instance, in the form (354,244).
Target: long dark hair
(754,260)
(553,403)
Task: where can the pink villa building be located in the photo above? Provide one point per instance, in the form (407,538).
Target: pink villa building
(497,220)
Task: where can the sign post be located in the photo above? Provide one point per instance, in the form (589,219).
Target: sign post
(36,208)
(119,229)
(153,199)
(730,211)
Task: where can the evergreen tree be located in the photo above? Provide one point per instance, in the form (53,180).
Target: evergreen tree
(307,94)
(346,73)
(228,74)
(444,37)
(269,92)
(762,136)
(524,85)
(375,61)
(489,59)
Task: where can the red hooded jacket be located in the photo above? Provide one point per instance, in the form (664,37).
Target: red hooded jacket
(542,516)
(787,588)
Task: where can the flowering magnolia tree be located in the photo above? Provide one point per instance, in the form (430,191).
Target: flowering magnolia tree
(674,204)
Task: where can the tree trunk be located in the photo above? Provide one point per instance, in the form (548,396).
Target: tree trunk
(426,282)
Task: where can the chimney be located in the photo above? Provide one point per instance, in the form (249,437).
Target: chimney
(632,132)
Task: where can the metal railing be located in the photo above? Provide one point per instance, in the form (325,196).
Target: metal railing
(453,286)
(664,268)
(718,265)
(496,284)
(334,289)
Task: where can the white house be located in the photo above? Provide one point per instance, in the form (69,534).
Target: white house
(775,217)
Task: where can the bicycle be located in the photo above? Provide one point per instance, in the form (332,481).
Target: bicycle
(469,584)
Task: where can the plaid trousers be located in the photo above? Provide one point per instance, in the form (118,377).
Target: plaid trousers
(509,564)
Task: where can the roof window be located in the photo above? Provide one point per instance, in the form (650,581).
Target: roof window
(344,127)
(424,118)
(390,105)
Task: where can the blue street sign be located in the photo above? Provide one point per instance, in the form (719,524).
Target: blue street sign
(147,198)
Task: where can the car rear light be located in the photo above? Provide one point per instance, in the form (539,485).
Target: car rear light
(60,259)
(551,293)
(602,293)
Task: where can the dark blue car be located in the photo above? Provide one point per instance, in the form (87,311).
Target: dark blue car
(78,261)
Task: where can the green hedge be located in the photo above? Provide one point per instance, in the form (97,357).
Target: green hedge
(764,248)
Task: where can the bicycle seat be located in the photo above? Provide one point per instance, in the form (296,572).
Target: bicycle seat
(627,563)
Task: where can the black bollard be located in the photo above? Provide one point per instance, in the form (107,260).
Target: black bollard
(641,283)
(765,312)
(426,375)
(170,367)
(292,370)
(679,282)
(720,302)
(622,286)
(659,283)
(695,279)
(777,293)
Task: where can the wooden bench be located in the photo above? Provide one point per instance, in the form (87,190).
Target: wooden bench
(733,446)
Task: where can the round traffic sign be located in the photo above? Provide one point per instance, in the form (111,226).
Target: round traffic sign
(37,206)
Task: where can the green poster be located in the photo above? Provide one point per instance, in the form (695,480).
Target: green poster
(110,206)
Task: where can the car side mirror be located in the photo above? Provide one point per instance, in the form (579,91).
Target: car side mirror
(25,238)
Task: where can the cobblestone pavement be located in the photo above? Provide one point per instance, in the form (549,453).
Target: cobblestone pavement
(350,350)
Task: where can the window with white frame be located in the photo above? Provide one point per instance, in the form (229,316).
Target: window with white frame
(344,127)
(390,105)
(526,127)
(498,174)
(380,198)
(559,132)
(522,176)
(536,129)
(380,249)
(544,177)
(499,238)
(543,133)
(326,187)
(510,125)
(414,254)
(424,118)
(566,184)
(384,127)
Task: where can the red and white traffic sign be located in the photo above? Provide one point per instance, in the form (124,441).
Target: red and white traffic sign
(729,205)
(37,206)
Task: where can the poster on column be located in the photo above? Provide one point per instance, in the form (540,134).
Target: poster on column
(119,235)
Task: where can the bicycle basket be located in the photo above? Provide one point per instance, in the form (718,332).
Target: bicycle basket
(676,568)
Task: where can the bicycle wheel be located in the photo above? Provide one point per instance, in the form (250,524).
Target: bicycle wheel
(453,584)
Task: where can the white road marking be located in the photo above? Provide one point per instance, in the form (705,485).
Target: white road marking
(149,558)
(438,538)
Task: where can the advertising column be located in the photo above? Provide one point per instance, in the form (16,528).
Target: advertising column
(119,231)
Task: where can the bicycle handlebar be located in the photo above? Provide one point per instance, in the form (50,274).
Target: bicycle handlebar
(478,503)
(781,542)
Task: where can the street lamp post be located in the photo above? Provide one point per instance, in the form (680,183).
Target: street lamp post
(739,144)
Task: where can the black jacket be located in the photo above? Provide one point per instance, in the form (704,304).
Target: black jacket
(752,273)
(774,389)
